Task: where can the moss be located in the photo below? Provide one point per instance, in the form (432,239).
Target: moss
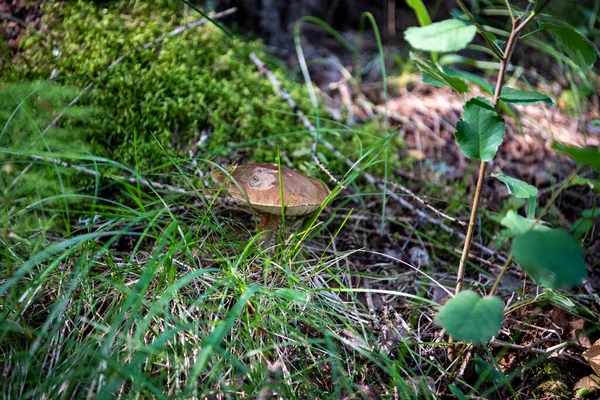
(552,379)
(32,188)
(158,101)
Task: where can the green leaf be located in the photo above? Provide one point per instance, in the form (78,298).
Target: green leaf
(492,38)
(552,257)
(451,78)
(471,318)
(432,74)
(486,87)
(581,181)
(517,187)
(516,96)
(420,11)
(481,131)
(519,225)
(584,224)
(456,392)
(487,371)
(579,48)
(585,156)
(447,36)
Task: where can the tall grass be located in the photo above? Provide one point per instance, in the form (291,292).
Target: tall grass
(118,288)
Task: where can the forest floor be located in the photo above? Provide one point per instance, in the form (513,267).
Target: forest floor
(425,117)
(439,185)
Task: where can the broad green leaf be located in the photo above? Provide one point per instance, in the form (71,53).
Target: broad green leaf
(471,318)
(481,131)
(517,187)
(585,156)
(486,87)
(447,36)
(434,75)
(552,257)
(579,48)
(516,96)
(519,225)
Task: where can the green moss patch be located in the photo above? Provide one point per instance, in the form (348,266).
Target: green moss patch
(158,102)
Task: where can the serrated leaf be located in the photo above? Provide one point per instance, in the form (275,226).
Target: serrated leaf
(519,225)
(579,48)
(552,257)
(486,87)
(438,77)
(516,96)
(445,36)
(481,131)
(517,187)
(471,318)
(589,156)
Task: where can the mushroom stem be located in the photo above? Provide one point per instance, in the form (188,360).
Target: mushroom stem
(268,222)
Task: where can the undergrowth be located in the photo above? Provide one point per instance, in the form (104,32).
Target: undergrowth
(158,102)
(111,286)
(115,286)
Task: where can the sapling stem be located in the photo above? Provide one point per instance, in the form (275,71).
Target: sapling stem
(500,275)
(517,24)
(510,45)
(470,229)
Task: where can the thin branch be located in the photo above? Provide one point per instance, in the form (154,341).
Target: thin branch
(463,258)
(130,179)
(425,204)
(510,45)
(491,45)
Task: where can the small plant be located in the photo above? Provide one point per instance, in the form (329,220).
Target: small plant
(552,257)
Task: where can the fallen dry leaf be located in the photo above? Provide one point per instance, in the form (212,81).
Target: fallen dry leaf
(592,356)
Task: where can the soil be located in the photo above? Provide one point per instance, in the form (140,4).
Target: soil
(15,17)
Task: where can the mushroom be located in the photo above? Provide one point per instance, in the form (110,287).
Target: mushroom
(259,184)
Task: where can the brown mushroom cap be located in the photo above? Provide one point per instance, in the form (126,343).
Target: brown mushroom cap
(302,194)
